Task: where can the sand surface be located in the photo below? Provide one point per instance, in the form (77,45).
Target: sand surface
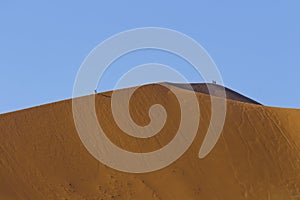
(257,156)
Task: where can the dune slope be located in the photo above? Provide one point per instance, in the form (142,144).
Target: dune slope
(256,157)
(215,91)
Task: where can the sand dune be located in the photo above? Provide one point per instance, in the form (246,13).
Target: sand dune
(257,156)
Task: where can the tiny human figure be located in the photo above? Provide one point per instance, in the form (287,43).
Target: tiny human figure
(214,82)
(95,91)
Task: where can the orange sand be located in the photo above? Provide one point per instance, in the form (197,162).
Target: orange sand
(256,157)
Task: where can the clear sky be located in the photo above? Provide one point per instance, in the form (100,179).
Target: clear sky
(255,44)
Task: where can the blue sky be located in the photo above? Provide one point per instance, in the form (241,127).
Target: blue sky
(255,44)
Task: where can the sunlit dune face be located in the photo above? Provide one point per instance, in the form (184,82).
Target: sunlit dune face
(256,157)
